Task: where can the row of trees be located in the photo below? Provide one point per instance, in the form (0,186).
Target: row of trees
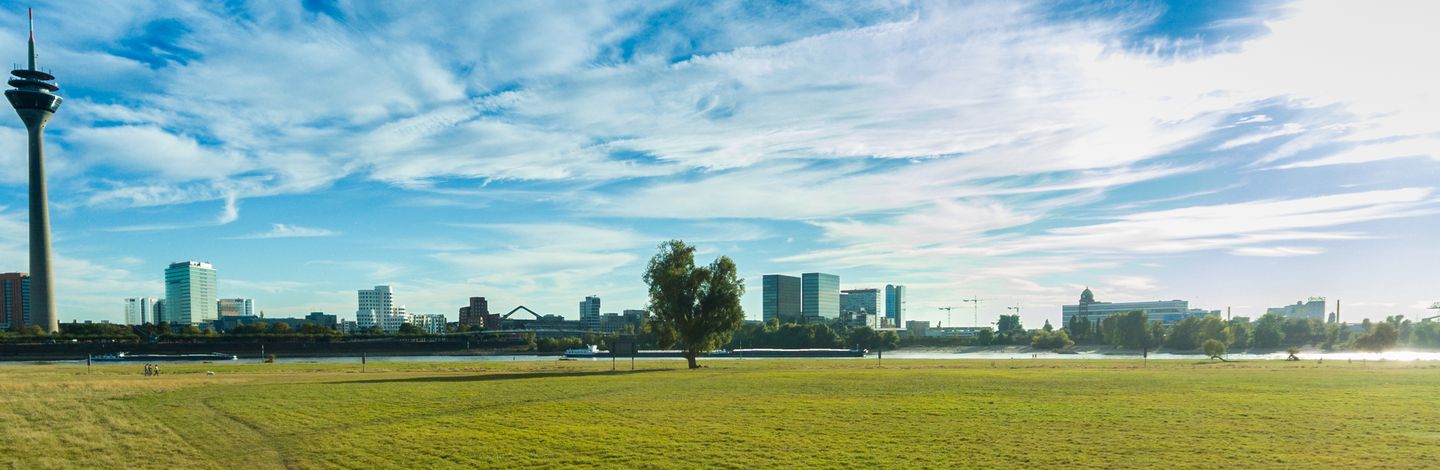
(1133,330)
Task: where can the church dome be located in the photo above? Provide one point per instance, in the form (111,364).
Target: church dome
(1087,297)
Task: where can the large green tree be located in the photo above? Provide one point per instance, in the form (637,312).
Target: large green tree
(695,307)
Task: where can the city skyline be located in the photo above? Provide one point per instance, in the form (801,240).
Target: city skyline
(1202,153)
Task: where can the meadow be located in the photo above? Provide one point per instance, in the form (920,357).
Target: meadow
(732,414)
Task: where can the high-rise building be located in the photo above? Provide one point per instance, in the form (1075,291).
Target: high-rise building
(780,298)
(235,307)
(14,301)
(140,310)
(157,312)
(820,296)
(34,100)
(590,312)
(373,307)
(895,304)
(190,293)
(860,300)
(476,314)
(1312,309)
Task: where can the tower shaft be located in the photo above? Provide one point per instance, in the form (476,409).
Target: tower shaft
(42,285)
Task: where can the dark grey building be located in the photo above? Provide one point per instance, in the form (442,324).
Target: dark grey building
(781,298)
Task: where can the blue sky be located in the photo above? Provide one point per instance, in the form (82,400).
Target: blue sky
(1234,155)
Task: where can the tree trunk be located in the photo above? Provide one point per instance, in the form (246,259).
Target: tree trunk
(690,357)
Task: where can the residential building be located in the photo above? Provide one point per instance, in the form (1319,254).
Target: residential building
(1165,311)
(15,301)
(590,313)
(429,323)
(895,304)
(820,296)
(235,307)
(1312,309)
(781,298)
(477,314)
(140,310)
(390,322)
(190,289)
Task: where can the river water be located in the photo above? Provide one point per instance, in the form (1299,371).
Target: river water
(982,355)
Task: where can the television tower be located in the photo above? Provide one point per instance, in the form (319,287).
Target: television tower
(34,100)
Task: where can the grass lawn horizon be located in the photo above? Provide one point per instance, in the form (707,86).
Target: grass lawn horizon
(740,414)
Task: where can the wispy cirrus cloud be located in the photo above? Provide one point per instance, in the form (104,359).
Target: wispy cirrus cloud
(288,231)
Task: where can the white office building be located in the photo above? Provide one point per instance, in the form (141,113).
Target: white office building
(1312,309)
(190,290)
(1165,311)
(140,310)
(376,307)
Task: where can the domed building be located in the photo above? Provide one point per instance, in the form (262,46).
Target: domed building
(1165,311)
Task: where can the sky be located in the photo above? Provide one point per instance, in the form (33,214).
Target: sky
(1235,155)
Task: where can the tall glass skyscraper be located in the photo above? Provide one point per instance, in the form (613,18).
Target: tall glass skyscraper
(190,293)
(895,305)
(820,295)
(781,298)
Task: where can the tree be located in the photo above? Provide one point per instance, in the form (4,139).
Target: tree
(280,328)
(1269,331)
(1185,335)
(1047,327)
(1051,340)
(984,337)
(1127,330)
(1213,348)
(1079,328)
(695,307)
(407,329)
(1381,336)
(1240,333)
(1008,323)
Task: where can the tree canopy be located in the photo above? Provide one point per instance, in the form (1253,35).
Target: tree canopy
(697,308)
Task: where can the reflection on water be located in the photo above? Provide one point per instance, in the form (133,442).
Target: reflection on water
(990,355)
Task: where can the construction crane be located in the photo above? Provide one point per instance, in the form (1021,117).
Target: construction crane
(947,313)
(976,302)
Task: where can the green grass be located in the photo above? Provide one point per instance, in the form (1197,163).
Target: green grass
(748,414)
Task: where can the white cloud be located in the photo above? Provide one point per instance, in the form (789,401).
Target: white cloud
(1277,251)
(290,231)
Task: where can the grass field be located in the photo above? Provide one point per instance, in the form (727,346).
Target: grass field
(747,414)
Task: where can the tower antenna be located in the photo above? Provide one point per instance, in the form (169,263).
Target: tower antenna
(31,11)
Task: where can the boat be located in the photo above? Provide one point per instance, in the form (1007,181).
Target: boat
(126,357)
(588,351)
